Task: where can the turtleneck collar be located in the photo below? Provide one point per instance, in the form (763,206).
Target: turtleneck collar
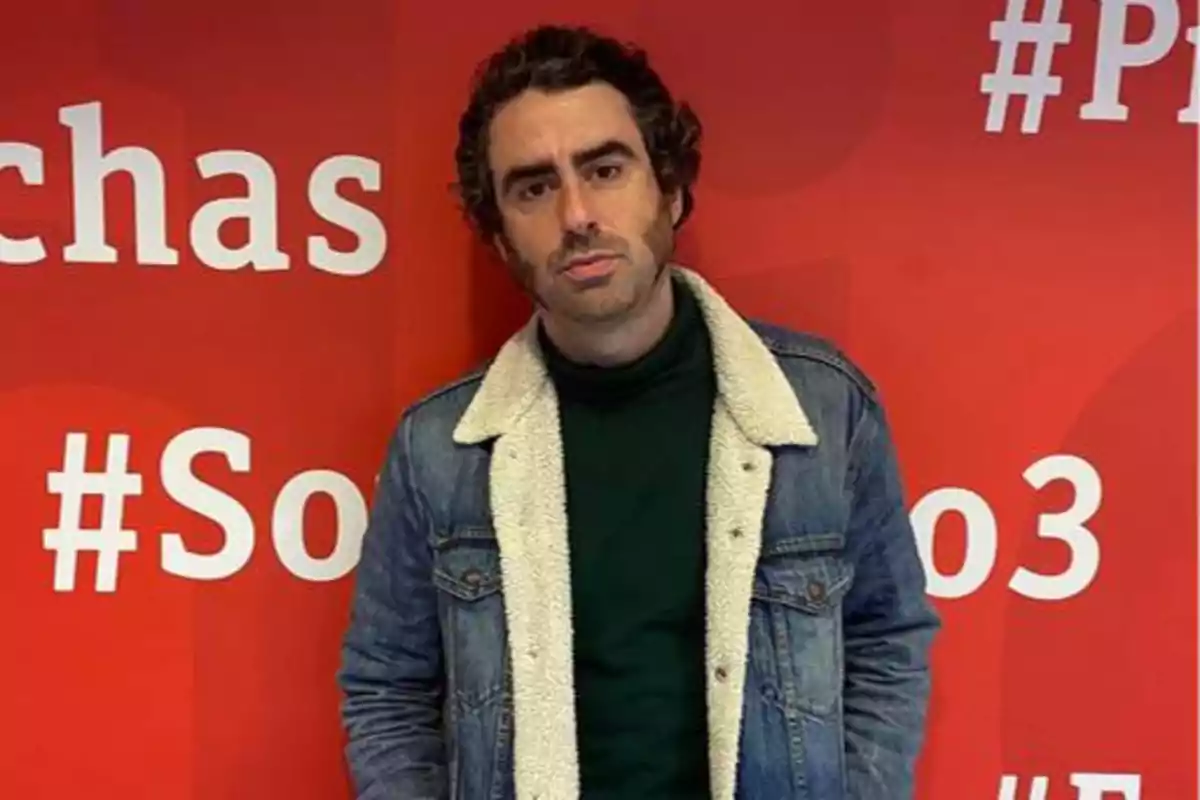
(683,349)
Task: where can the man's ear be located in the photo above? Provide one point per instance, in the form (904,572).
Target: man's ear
(676,207)
(501,246)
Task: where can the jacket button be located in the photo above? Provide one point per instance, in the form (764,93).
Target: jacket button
(736,533)
(747,466)
(722,674)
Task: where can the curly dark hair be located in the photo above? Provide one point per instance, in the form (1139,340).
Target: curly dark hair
(553,57)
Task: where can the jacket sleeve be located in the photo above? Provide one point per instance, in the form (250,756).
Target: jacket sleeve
(889,625)
(391,671)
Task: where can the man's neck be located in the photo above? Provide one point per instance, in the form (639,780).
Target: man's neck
(621,343)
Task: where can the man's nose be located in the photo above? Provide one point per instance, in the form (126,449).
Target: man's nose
(574,207)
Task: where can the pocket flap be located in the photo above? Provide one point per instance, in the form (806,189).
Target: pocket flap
(813,584)
(467,564)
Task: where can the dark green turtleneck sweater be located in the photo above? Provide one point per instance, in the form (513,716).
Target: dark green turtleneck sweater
(636,453)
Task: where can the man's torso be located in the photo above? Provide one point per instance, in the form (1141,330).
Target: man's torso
(791,739)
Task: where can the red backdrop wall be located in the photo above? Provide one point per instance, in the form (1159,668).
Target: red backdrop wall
(1022,286)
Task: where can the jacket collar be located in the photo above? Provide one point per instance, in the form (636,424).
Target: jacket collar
(749,380)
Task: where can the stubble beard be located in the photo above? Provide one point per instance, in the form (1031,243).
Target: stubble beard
(659,243)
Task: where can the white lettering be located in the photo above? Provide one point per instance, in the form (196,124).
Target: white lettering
(90,166)
(1068,527)
(191,493)
(323,196)
(1009,784)
(259,207)
(981,538)
(1192,112)
(1096,786)
(287,525)
(1114,54)
(29,162)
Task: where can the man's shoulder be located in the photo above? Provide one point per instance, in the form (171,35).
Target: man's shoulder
(812,359)
(454,393)
(812,363)
(433,416)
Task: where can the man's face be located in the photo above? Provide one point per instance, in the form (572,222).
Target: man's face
(586,228)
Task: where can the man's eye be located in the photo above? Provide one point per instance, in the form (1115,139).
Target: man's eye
(607,172)
(532,191)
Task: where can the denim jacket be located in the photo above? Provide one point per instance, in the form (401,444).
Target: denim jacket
(456,668)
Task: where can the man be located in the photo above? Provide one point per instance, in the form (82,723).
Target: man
(652,550)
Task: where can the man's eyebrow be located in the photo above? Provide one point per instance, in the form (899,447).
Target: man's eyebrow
(607,148)
(542,169)
(524,172)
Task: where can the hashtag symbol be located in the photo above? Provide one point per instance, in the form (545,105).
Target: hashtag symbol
(1003,84)
(1037,788)
(109,540)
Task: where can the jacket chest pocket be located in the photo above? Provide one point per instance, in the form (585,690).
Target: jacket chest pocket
(796,624)
(467,574)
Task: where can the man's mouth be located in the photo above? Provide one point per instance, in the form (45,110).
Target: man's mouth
(590,266)
(584,260)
